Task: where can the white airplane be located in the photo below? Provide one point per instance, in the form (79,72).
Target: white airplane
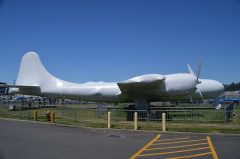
(34,79)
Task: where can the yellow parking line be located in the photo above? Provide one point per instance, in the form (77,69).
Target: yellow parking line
(190,156)
(172,139)
(212,148)
(162,153)
(146,146)
(179,142)
(172,147)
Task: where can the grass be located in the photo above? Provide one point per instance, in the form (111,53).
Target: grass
(211,128)
(189,121)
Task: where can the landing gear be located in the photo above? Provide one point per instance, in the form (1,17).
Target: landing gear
(146,112)
(141,107)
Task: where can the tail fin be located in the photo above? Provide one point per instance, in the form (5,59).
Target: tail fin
(32,72)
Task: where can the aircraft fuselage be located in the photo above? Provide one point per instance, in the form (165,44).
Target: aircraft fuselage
(34,79)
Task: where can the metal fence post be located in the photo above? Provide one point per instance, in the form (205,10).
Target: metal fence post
(164,122)
(135,121)
(109,120)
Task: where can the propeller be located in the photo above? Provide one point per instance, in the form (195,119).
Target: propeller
(197,75)
(198,71)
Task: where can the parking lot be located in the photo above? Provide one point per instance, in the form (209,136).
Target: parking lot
(21,139)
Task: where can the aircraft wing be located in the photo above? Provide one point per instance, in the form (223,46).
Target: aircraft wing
(141,85)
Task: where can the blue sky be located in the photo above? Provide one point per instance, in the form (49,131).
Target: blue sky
(115,40)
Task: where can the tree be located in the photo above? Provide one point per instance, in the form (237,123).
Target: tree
(232,87)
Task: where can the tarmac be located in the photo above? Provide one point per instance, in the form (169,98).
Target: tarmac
(23,140)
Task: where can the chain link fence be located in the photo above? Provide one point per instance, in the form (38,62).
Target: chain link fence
(178,118)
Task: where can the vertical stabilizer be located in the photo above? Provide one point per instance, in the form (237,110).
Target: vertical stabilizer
(32,72)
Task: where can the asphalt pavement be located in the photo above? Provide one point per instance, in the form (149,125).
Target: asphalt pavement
(23,140)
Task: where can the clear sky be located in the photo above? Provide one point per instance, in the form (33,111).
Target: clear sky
(115,40)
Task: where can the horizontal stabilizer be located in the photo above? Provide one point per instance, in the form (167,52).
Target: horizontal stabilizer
(3,85)
(23,89)
(18,86)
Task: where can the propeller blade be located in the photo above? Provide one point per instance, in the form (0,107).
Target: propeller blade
(190,70)
(199,70)
(200,93)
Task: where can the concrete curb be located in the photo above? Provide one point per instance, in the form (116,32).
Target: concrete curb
(91,128)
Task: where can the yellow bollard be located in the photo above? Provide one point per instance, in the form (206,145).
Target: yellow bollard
(109,120)
(135,121)
(35,115)
(163,122)
(52,117)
